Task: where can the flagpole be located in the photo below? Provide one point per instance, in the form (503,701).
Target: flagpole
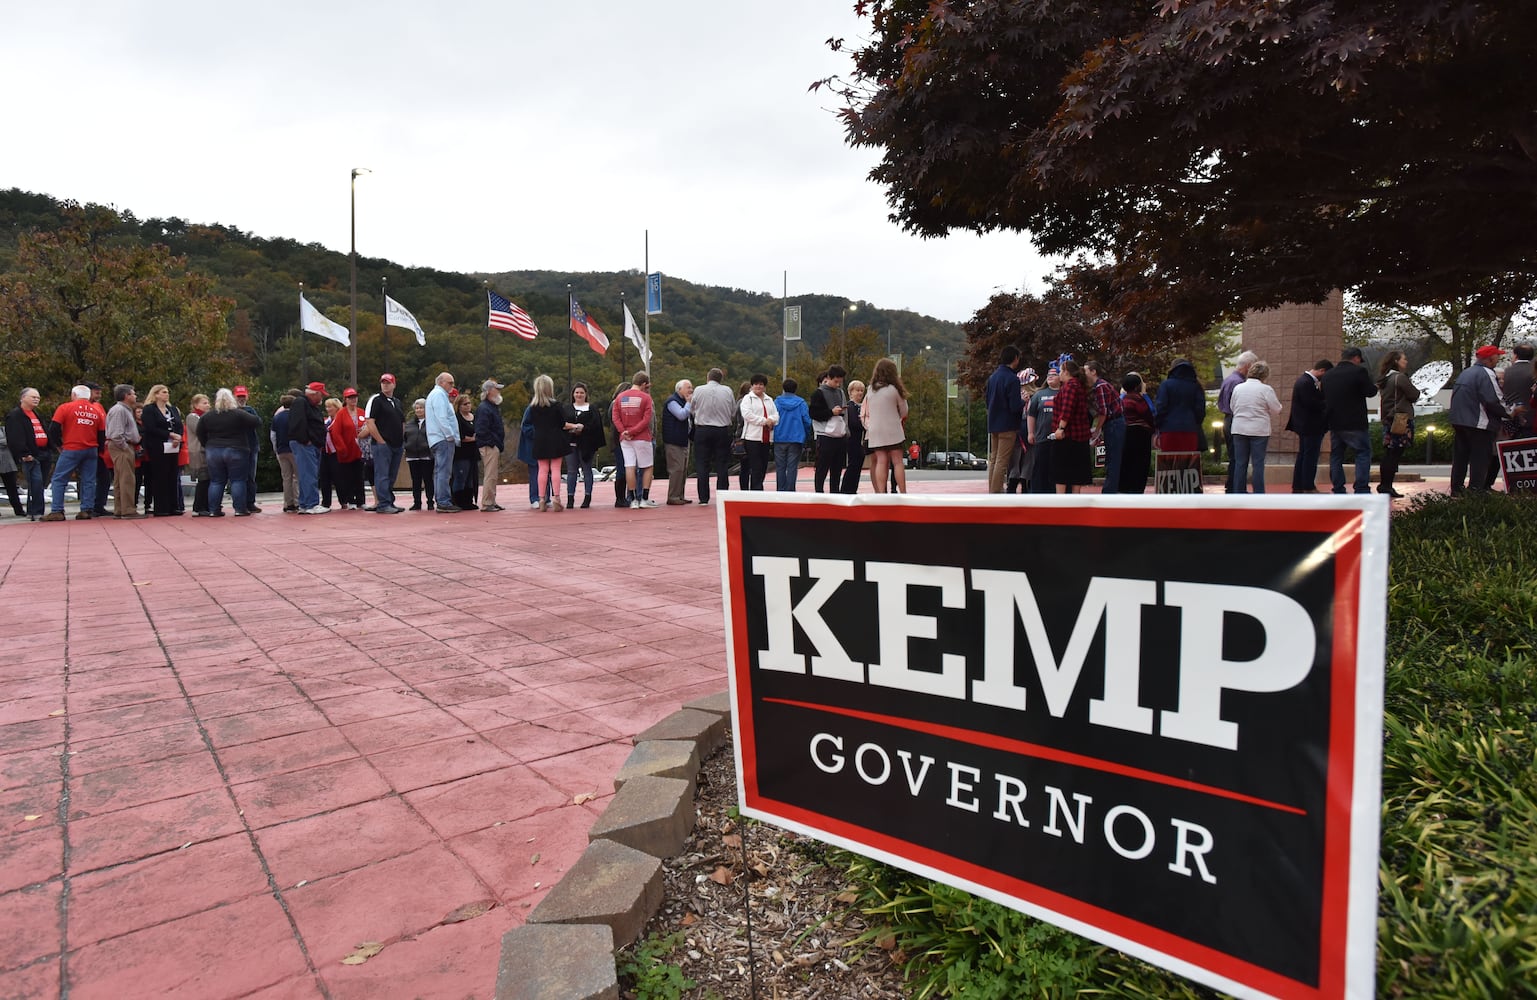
(487,286)
(570,331)
(623,339)
(784,303)
(304,345)
(646,310)
(384,294)
(354,259)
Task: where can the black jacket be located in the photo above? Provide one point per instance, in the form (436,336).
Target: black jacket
(1347,387)
(228,428)
(306,422)
(20,437)
(1308,416)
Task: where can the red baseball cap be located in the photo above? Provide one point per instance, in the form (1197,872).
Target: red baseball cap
(1490,351)
(350,392)
(387,377)
(319,387)
(240,391)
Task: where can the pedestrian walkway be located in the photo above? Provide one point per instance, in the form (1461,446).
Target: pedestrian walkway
(338,756)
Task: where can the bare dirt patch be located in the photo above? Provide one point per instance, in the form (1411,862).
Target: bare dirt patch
(804,921)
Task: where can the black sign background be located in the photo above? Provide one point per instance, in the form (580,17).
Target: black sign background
(1265,804)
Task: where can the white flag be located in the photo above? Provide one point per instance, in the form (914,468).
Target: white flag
(396,314)
(311,320)
(632,334)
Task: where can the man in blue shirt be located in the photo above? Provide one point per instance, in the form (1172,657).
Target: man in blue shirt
(443,438)
(1005,404)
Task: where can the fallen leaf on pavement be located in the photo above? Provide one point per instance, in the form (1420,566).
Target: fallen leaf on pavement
(363,952)
(535,859)
(469,911)
(32,817)
(54,713)
(584,797)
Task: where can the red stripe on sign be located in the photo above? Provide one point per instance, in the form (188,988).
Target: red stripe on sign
(1023,749)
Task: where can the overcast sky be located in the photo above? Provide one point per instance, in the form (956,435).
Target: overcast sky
(501,136)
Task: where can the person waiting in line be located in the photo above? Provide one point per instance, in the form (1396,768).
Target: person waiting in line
(1072,462)
(329,474)
(162,434)
(738,443)
(1255,408)
(584,444)
(349,456)
(1140,413)
(758,419)
(884,411)
(419,455)
(466,474)
(225,433)
(197,462)
(552,439)
(621,481)
(790,435)
(1016,477)
(1396,396)
(283,448)
(1180,412)
(1040,422)
(856,460)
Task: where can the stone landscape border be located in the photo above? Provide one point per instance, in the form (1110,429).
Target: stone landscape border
(565,950)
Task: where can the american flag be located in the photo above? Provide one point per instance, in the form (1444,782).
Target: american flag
(507,316)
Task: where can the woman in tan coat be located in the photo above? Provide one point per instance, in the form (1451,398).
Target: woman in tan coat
(1396,396)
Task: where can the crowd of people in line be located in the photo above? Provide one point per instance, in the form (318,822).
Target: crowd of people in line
(1042,437)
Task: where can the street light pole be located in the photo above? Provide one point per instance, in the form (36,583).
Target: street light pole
(354,258)
(947,413)
(843,336)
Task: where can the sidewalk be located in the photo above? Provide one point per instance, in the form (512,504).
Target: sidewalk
(233,751)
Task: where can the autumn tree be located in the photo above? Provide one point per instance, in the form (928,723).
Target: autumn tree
(82,304)
(1449,331)
(1202,159)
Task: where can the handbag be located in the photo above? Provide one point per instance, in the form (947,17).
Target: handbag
(1400,425)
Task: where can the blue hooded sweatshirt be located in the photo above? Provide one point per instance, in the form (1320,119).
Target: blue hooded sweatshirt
(794,420)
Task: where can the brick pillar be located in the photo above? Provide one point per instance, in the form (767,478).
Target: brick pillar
(1290,338)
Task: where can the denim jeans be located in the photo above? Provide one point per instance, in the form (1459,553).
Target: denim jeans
(1249,450)
(33,473)
(1114,433)
(442,472)
(82,460)
(227,467)
(307,470)
(578,465)
(1305,473)
(1361,443)
(386,468)
(787,460)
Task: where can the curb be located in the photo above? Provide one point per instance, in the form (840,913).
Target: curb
(565,950)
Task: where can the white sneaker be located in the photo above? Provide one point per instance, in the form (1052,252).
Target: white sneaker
(649,504)
(635,505)
(534,505)
(315,510)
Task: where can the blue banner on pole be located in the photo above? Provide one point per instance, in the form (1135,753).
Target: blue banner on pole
(653,293)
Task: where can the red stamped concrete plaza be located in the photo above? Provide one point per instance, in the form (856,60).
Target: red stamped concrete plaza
(233,751)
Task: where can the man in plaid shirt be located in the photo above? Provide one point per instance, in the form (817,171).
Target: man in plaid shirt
(1109,425)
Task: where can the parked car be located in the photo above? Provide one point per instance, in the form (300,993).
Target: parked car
(955,460)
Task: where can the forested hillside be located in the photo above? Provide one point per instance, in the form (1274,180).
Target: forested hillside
(700,325)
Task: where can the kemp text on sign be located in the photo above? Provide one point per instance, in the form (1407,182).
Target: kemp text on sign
(1156,722)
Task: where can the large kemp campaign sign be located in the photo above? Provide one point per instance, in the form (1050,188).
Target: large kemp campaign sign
(1154,721)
